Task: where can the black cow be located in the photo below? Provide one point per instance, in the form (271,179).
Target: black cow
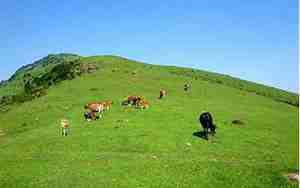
(206,121)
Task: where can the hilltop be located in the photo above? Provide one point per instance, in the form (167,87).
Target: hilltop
(142,148)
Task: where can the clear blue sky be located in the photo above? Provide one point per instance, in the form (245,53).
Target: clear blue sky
(254,40)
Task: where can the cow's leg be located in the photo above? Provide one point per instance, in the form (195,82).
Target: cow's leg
(206,133)
(99,108)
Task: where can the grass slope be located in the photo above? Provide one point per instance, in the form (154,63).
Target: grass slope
(133,148)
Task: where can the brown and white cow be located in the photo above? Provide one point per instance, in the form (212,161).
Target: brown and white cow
(132,99)
(95,107)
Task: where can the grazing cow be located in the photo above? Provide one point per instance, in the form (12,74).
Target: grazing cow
(162,93)
(107,104)
(95,107)
(206,121)
(134,100)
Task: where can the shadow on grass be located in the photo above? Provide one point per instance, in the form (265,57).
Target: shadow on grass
(200,134)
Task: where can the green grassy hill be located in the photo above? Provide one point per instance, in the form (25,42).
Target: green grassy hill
(147,148)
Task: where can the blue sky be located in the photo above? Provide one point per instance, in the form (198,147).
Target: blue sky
(254,40)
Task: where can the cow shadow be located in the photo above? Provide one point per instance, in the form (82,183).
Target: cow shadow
(200,134)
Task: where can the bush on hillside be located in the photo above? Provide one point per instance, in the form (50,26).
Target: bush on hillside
(11,99)
(61,72)
(35,87)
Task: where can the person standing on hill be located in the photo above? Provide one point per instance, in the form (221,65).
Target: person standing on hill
(187,87)
(162,93)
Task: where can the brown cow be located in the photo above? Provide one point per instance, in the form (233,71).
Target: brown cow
(133,100)
(94,107)
(106,105)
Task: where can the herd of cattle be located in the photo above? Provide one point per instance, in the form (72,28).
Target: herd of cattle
(95,109)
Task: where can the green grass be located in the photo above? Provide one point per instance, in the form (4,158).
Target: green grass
(147,148)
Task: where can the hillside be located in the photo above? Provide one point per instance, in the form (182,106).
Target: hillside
(145,148)
(15,85)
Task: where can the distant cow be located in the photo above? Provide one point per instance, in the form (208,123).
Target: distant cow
(162,93)
(206,121)
(133,100)
(94,107)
